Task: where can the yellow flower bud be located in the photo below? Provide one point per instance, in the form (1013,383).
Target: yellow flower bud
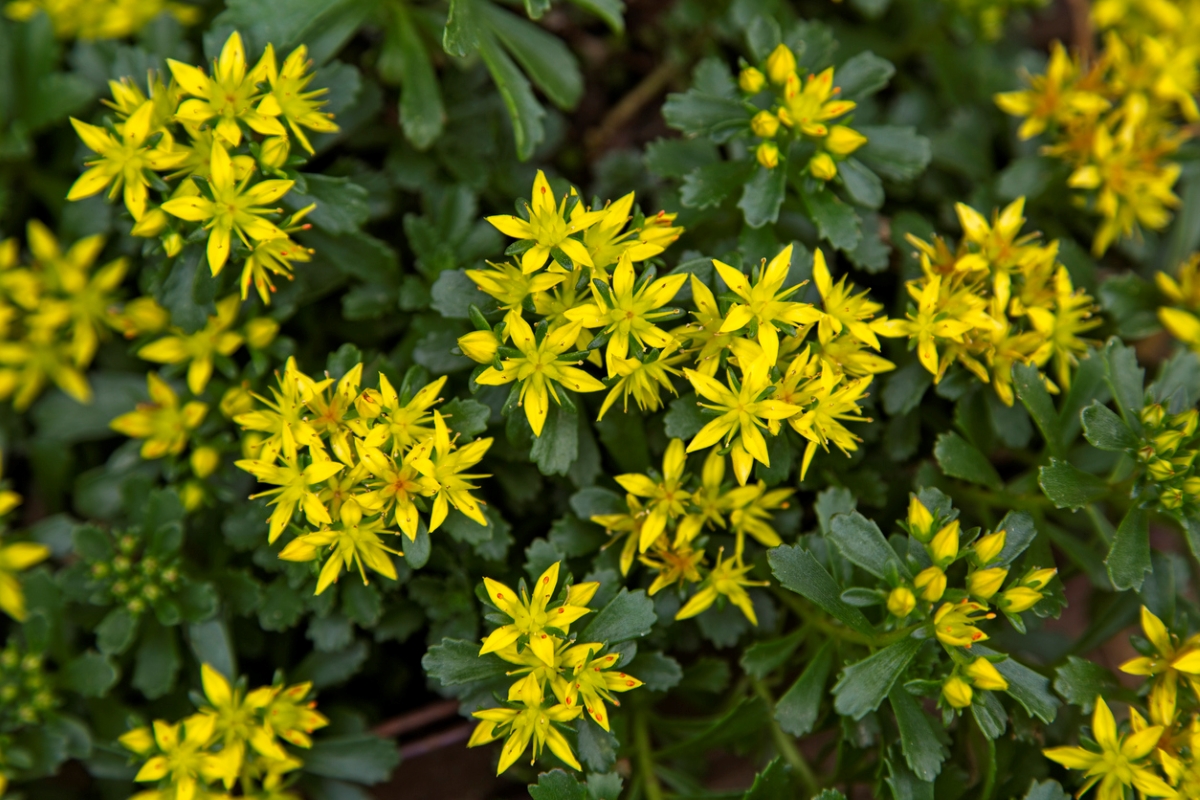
(369,404)
(932,583)
(920,521)
(751,81)
(1038,578)
(1152,416)
(901,601)
(1160,469)
(984,675)
(944,547)
(205,461)
(1191,486)
(822,168)
(191,494)
(261,331)
(274,152)
(843,141)
(172,244)
(1171,498)
(1018,599)
(987,548)
(768,155)
(984,583)
(237,400)
(765,124)
(1186,421)
(781,64)
(957,692)
(152,223)
(479,346)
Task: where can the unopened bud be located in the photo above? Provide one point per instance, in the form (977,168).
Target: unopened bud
(901,601)
(822,168)
(780,64)
(957,692)
(751,81)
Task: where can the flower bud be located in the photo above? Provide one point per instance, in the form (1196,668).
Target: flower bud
(901,602)
(479,346)
(1171,498)
(1185,422)
(751,81)
(152,223)
(843,141)
(1191,486)
(822,168)
(205,461)
(984,583)
(274,152)
(261,331)
(957,692)
(932,583)
(172,243)
(1152,416)
(781,64)
(1018,599)
(237,400)
(1038,579)
(920,521)
(765,124)
(191,495)
(987,548)
(944,547)
(1160,469)
(368,404)
(985,675)
(768,155)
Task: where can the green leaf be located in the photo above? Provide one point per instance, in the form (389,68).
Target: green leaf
(629,615)
(1132,302)
(211,644)
(330,669)
(893,152)
(341,204)
(659,672)
(60,418)
(546,60)
(1046,790)
(683,419)
(1081,681)
(922,750)
(743,720)
(709,185)
(324,25)
(357,757)
(157,661)
(524,111)
(1067,486)
(773,783)
(763,196)
(90,674)
(697,113)
(905,388)
(1125,380)
(989,714)
(797,711)
(116,631)
(861,184)
(863,686)
(455,662)
(1105,430)
(861,542)
(1129,559)
(417,551)
(1029,688)
(797,570)
(404,60)
(1031,391)
(764,657)
(466,417)
(1019,533)
(831,502)
(675,158)
(958,458)
(863,75)
(461,35)
(557,785)
(610,11)
(835,220)
(281,606)
(1027,176)
(557,448)
(453,293)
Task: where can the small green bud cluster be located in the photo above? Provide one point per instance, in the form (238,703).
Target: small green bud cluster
(26,695)
(1167,453)
(134,578)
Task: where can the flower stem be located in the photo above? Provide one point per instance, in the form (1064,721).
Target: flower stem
(787,748)
(645,755)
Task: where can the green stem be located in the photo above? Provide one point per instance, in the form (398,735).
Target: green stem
(819,621)
(645,756)
(787,748)
(989,779)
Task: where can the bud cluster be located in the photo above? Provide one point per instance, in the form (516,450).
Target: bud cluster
(26,695)
(131,573)
(1167,454)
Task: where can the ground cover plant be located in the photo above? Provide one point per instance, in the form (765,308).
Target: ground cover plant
(594,400)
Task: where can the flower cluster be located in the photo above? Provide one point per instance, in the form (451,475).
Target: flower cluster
(534,635)
(998,300)
(799,111)
(54,313)
(1160,755)
(951,614)
(1181,313)
(193,142)
(754,336)
(668,514)
(233,739)
(27,699)
(1167,452)
(1117,120)
(100,19)
(351,461)
(15,557)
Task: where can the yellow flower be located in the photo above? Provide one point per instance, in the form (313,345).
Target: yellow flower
(954,623)
(444,469)
(274,257)
(161,422)
(403,421)
(537,368)
(644,378)
(286,417)
(741,411)
(288,715)
(666,496)
(726,579)
(931,582)
(926,324)
(606,243)
(183,758)
(235,207)
(1121,762)
(765,302)
(15,558)
(809,108)
(288,99)
(1060,328)
(100,19)
(842,141)
(901,602)
(122,161)
(1051,96)
(678,563)
(510,286)
(294,489)
(630,308)
(201,347)
(591,682)
(531,723)
(1171,657)
(841,308)
(235,717)
(547,228)
(531,619)
(229,95)
(398,483)
(353,543)
(753,509)
(833,400)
